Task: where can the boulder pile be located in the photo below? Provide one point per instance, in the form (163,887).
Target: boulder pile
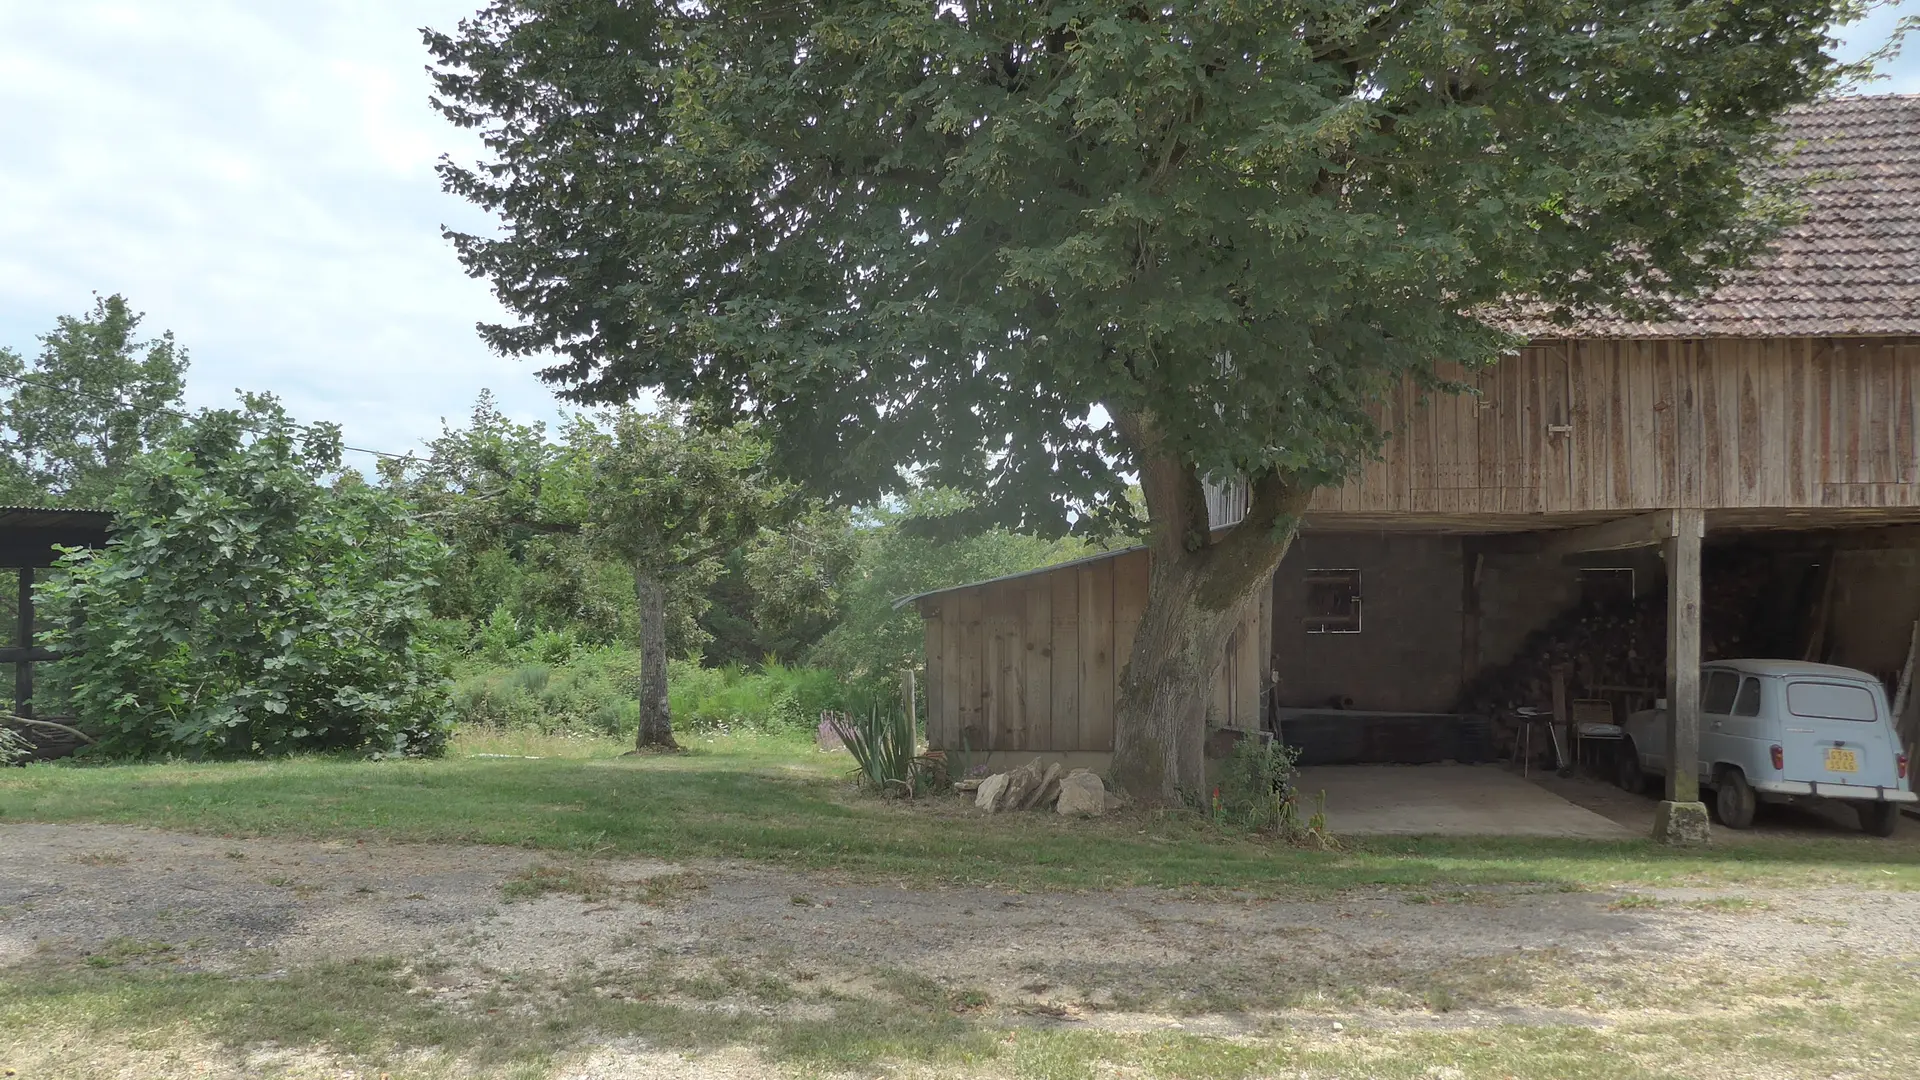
(1039,784)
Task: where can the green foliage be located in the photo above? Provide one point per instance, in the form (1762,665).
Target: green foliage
(1255,787)
(247,606)
(883,742)
(505,499)
(776,698)
(927,240)
(73,422)
(14,747)
(592,690)
(900,553)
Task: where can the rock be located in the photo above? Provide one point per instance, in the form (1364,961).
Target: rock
(1082,793)
(1020,784)
(1046,789)
(1034,784)
(991,789)
(1682,824)
(966,786)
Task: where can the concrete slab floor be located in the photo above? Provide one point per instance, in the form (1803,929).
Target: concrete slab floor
(1448,800)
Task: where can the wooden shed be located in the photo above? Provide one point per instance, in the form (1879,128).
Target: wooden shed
(1784,406)
(1031,662)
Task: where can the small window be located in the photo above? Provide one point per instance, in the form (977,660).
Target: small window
(1748,703)
(1333,602)
(1717,691)
(1831,701)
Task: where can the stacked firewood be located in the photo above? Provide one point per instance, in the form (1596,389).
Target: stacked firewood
(1604,649)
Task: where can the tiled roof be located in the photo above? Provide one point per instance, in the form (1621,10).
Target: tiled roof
(1851,266)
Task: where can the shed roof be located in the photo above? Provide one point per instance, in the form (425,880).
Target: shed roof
(28,534)
(1851,267)
(1035,572)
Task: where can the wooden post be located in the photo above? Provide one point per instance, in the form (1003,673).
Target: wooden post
(1683,657)
(1472,562)
(23,667)
(907,698)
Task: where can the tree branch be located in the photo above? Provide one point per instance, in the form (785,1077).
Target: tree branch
(10,718)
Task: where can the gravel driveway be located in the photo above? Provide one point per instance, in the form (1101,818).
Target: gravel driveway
(1124,960)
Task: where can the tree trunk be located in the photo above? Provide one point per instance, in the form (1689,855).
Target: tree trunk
(1198,588)
(656,719)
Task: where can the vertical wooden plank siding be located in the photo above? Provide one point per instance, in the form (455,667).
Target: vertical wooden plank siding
(1095,587)
(950,700)
(938,734)
(972,661)
(1245,712)
(1064,639)
(1005,671)
(1706,424)
(1036,640)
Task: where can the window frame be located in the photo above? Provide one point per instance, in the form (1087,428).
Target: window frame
(1317,621)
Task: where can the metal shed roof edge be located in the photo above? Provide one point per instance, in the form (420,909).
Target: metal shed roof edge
(1035,572)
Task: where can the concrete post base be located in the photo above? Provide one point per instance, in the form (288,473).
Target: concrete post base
(1682,824)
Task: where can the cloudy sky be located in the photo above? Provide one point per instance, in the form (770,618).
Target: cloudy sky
(258,178)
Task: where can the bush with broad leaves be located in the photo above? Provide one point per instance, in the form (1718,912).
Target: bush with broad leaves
(254,600)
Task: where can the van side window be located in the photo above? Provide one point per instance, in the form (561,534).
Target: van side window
(1717,691)
(1748,703)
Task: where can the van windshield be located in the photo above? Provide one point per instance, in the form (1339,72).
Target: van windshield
(1830,701)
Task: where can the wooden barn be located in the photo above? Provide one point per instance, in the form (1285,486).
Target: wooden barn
(1766,435)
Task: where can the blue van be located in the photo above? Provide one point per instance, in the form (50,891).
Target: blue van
(1780,730)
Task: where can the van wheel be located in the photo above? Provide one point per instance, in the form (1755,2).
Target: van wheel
(1735,800)
(1627,771)
(1879,818)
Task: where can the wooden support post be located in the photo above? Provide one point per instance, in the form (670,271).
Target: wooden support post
(23,667)
(908,700)
(1472,562)
(1683,663)
(1682,819)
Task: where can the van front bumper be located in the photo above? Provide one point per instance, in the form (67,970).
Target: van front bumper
(1836,791)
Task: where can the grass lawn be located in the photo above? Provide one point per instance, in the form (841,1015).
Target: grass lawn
(781,802)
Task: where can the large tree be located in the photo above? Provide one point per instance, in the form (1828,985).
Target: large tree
(1028,248)
(75,418)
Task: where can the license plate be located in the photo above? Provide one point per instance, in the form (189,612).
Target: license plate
(1842,761)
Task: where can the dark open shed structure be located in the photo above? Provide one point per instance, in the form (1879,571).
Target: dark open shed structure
(31,538)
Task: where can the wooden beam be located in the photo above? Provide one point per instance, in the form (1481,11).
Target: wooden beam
(23,642)
(1632,532)
(1683,656)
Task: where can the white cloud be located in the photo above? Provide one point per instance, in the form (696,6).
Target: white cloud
(258,177)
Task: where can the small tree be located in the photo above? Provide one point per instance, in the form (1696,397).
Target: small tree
(246,606)
(670,501)
(96,398)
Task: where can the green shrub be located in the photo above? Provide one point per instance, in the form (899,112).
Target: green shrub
(253,600)
(595,690)
(1255,788)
